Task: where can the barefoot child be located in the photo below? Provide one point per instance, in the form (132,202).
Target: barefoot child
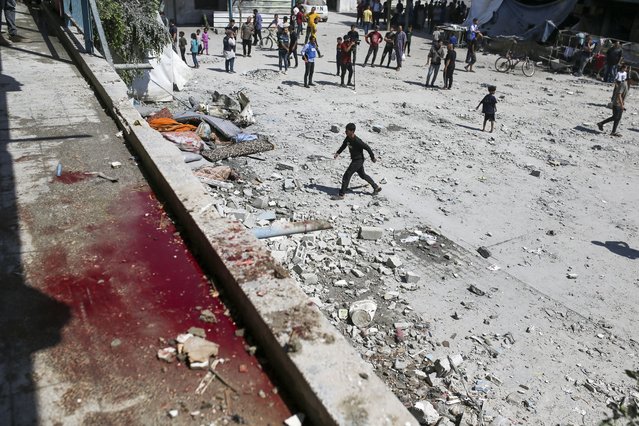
(489,108)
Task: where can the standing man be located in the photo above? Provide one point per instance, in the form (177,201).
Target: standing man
(618,104)
(8,7)
(309,53)
(247,31)
(356,148)
(374,38)
(435,57)
(389,38)
(449,66)
(173,32)
(367,18)
(353,35)
(345,60)
(613,59)
(377,11)
(257,24)
(283,44)
(400,42)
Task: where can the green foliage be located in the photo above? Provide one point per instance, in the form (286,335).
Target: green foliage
(132,31)
(626,411)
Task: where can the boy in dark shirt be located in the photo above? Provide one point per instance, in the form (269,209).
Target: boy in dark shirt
(356,147)
(449,66)
(489,108)
(345,61)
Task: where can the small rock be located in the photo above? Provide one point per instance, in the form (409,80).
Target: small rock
(197,331)
(289,185)
(167,354)
(116,164)
(370,233)
(535,173)
(378,128)
(208,316)
(286,166)
(476,290)
(260,202)
(572,276)
(115,343)
(296,419)
(310,279)
(411,277)
(335,129)
(340,283)
(394,262)
(357,273)
(173,413)
(483,251)
(425,413)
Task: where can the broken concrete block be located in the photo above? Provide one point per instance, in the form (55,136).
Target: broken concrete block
(394,262)
(260,202)
(411,277)
(340,283)
(483,251)
(344,241)
(310,279)
(370,233)
(197,331)
(167,354)
(400,364)
(357,273)
(425,413)
(286,166)
(442,367)
(200,350)
(208,316)
(289,185)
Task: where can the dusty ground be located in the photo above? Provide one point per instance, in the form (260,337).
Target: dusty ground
(572,338)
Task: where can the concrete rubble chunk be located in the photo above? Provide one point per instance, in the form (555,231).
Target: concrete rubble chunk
(425,413)
(239,214)
(335,129)
(310,279)
(357,273)
(198,332)
(286,166)
(411,278)
(200,350)
(340,283)
(370,233)
(260,202)
(394,262)
(167,354)
(208,316)
(289,185)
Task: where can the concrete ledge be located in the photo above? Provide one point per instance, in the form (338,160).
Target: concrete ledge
(316,365)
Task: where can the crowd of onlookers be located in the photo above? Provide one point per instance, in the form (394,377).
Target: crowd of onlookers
(420,16)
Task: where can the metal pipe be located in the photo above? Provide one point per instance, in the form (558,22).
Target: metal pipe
(289,228)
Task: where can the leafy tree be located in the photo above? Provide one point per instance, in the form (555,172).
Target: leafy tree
(626,411)
(132,31)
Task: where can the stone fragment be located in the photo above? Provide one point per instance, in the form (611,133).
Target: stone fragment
(286,166)
(483,252)
(357,273)
(335,129)
(378,128)
(425,413)
(310,279)
(167,354)
(239,214)
(370,233)
(116,164)
(394,262)
(340,283)
(289,185)
(295,420)
(260,202)
(535,173)
(197,331)
(473,289)
(411,277)
(572,276)
(400,364)
(344,241)
(173,413)
(199,349)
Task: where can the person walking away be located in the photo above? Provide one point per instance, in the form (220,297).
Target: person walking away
(373,39)
(194,48)
(449,66)
(400,42)
(367,19)
(409,36)
(614,55)
(353,35)
(183,44)
(283,44)
(360,13)
(229,51)
(489,108)
(435,57)
(618,104)
(292,48)
(345,63)
(173,32)
(356,147)
(246,32)
(257,26)
(389,38)
(309,53)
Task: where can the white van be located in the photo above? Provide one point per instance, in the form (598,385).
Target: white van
(320,7)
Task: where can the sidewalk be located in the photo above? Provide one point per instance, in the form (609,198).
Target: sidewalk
(94,277)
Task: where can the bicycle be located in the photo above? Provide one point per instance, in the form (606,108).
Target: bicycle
(268,39)
(508,62)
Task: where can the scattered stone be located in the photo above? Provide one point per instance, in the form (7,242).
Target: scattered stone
(260,202)
(535,173)
(344,241)
(208,316)
(199,349)
(400,365)
(425,413)
(483,251)
(167,354)
(340,283)
(378,128)
(116,164)
(286,166)
(289,185)
(411,278)
(335,129)
(476,290)
(572,276)
(370,233)
(295,420)
(310,279)
(173,413)
(357,273)
(115,343)
(394,262)
(197,331)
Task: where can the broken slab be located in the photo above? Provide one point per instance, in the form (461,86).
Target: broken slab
(199,349)
(370,233)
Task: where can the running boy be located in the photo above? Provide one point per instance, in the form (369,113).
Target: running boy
(489,108)
(356,147)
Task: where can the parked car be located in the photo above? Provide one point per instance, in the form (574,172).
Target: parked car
(320,7)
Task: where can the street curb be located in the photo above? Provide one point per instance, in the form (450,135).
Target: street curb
(314,363)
